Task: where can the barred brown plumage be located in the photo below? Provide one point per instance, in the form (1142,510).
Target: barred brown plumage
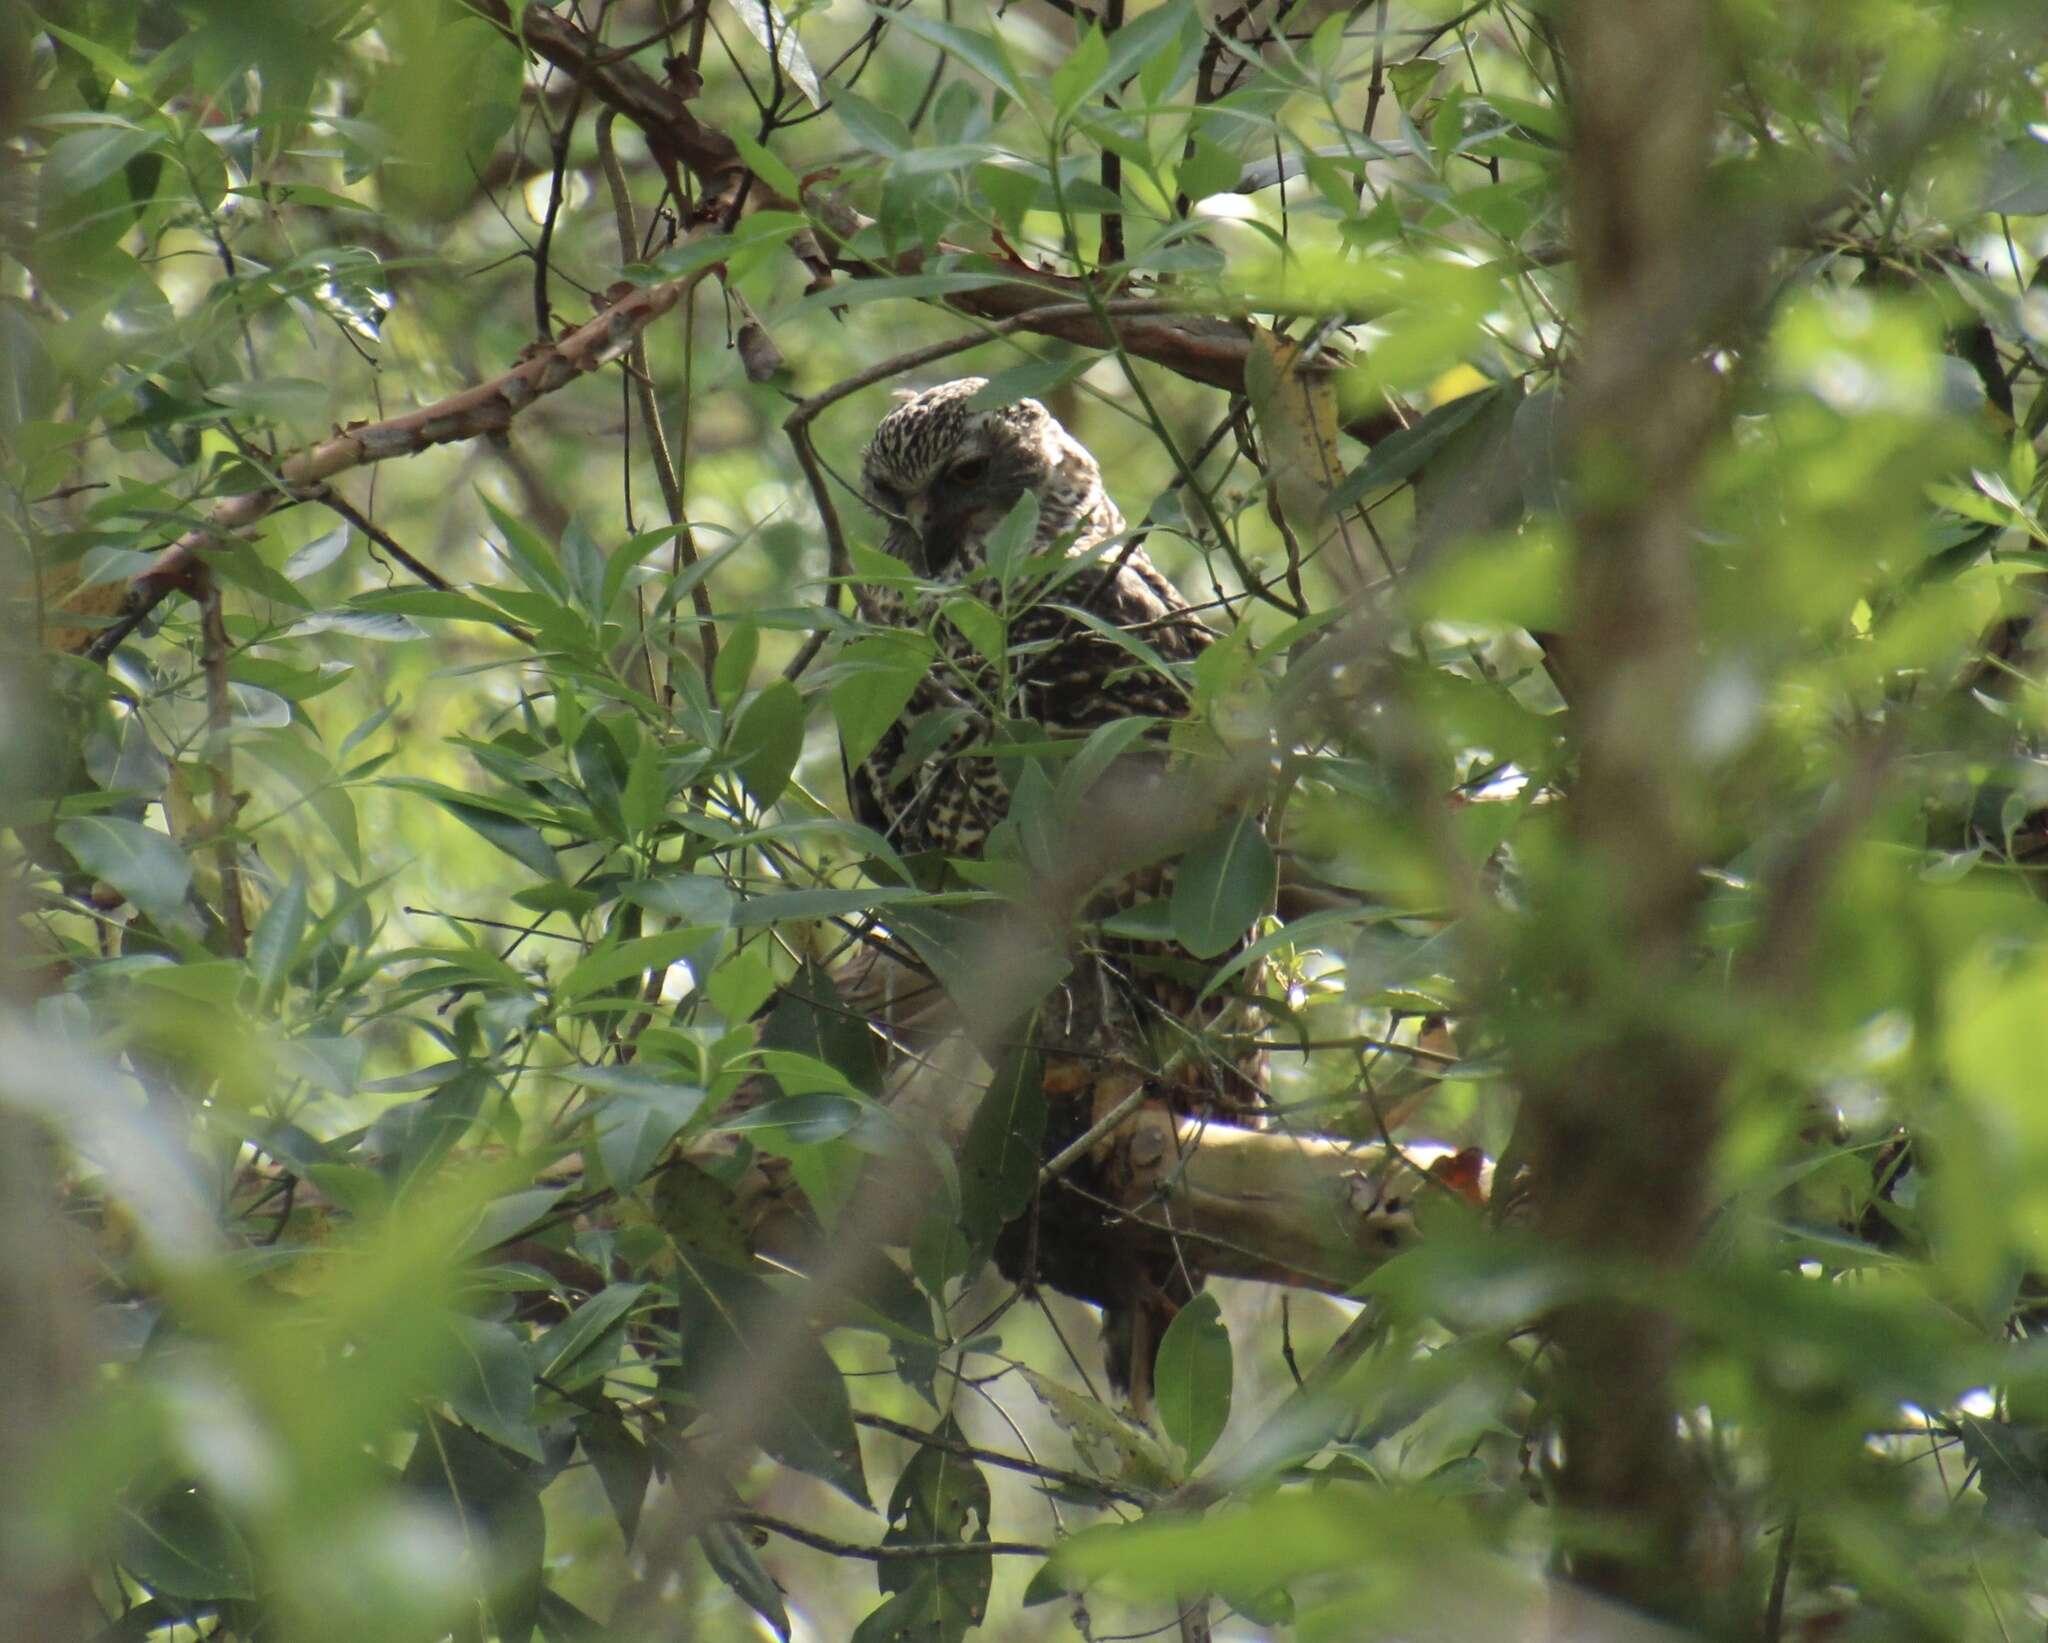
(1098,635)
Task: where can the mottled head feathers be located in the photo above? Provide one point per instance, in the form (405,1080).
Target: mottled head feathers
(946,473)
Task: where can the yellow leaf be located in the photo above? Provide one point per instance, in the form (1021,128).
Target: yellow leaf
(1455,383)
(1297,417)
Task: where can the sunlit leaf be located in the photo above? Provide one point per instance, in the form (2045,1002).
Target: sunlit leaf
(144,865)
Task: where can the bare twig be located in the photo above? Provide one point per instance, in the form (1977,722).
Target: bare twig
(543,319)
(1111,251)
(995,1457)
(906,1552)
(335,502)
(650,410)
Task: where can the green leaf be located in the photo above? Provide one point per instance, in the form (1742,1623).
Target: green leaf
(432,603)
(506,1217)
(522,843)
(559,1349)
(1310,931)
(1411,82)
(875,678)
(274,943)
(1035,816)
(776,36)
(413,1137)
(768,739)
(1010,543)
(733,1561)
(978,51)
(696,898)
(144,865)
(1401,453)
(560,1621)
(531,555)
(741,983)
(1226,880)
(606,965)
(1105,745)
(1280,1537)
(492,1387)
(84,159)
(584,565)
(216,982)
(2012,1470)
(494,1505)
(942,1498)
(1192,1378)
(185,1546)
(2017,183)
(1140,42)
(735,666)
(633,1131)
(644,798)
(1083,73)
(766,165)
(983,628)
(1211,169)
(1112,1446)
(291,400)
(317,554)
(1005,1142)
(875,129)
(622,1464)
(809,1419)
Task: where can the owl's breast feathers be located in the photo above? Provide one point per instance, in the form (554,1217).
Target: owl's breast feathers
(1062,673)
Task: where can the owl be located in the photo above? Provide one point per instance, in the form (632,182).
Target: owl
(1092,633)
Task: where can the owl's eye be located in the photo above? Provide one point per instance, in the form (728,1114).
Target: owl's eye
(886,497)
(969,470)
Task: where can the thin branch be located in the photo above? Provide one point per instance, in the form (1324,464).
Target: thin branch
(1201,347)
(908,1552)
(650,411)
(1013,1463)
(543,319)
(485,409)
(335,502)
(1111,249)
(220,763)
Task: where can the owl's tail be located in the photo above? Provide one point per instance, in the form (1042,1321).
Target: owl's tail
(1132,1328)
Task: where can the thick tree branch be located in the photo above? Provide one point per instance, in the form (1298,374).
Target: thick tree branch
(1623,1093)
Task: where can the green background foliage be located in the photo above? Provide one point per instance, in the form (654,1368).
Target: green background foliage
(385,966)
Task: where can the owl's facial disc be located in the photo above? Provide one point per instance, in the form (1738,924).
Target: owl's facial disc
(945,475)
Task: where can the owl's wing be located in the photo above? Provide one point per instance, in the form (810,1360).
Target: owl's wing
(1073,676)
(863,790)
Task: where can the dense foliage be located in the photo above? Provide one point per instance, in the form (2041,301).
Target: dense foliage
(447,1189)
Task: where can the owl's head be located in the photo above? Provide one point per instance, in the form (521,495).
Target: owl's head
(945,475)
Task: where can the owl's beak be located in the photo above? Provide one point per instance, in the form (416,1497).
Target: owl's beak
(917,513)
